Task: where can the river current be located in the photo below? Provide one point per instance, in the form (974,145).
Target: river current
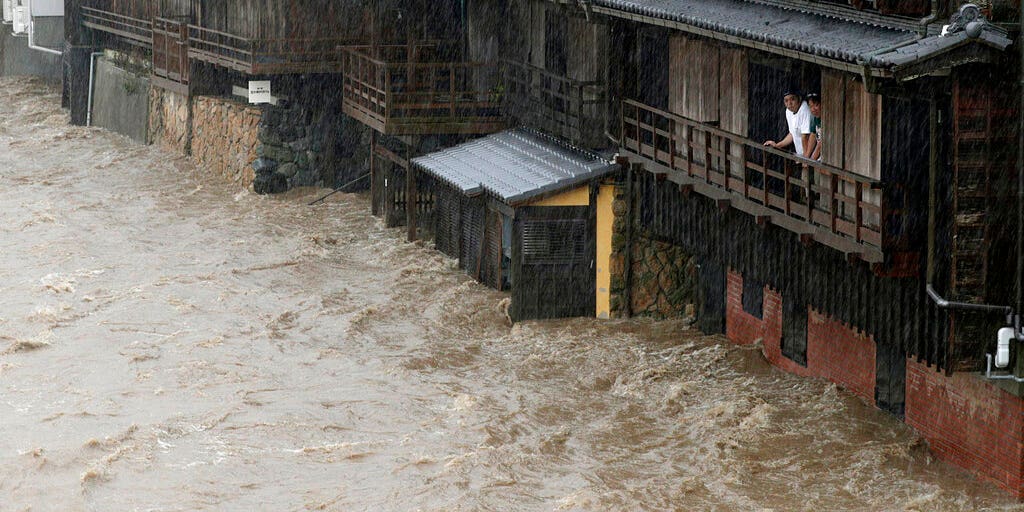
(170,341)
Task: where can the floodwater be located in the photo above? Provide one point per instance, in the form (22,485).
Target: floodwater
(169,341)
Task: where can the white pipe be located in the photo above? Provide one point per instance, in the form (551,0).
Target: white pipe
(32,39)
(92,76)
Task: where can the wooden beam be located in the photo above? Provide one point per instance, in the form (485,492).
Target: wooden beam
(411,193)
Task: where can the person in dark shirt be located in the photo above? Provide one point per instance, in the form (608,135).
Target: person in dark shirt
(813,149)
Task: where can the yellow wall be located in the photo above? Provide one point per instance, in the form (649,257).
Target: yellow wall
(605,216)
(575,197)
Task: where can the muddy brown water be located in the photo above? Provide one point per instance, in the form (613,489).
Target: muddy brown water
(170,341)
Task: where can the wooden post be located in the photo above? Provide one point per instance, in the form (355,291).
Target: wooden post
(627,279)
(374,186)
(689,150)
(786,169)
(858,210)
(451,90)
(411,199)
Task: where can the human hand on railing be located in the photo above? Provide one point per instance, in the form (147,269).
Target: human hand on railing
(770,143)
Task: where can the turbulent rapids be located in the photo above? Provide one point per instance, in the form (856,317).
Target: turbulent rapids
(169,342)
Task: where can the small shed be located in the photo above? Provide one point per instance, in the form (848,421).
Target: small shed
(522,211)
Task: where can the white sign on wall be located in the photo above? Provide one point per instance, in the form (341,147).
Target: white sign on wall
(259,91)
(42,8)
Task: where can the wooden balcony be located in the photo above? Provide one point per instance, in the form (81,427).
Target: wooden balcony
(170,49)
(570,109)
(826,204)
(134,28)
(267,56)
(393,90)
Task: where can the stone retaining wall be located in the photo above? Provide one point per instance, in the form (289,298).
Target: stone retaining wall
(664,276)
(224,137)
(170,120)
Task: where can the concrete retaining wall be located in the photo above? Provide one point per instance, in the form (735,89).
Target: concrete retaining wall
(16,59)
(120,101)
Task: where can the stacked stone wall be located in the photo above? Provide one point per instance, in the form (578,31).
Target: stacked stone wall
(662,284)
(224,139)
(302,143)
(170,120)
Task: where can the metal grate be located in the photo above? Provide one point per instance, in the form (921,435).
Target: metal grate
(554,241)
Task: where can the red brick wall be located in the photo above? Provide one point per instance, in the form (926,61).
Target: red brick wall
(968,422)
(835,351)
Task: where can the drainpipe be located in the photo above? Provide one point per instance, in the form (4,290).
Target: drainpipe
(92,76)
(1020,192)
(965,306)
(32,37)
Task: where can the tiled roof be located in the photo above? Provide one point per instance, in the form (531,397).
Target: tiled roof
(513,165)
(825,36)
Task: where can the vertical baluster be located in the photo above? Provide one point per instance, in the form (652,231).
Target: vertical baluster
(723,145)
(672,143)
(689,150)
(764,177)
(786,171)
(451,89)
(707,157)
(833,201)
(859,210)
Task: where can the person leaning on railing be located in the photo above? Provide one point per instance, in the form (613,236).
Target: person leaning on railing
(798,118)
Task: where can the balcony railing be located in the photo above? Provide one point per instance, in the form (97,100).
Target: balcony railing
(415,97)
(566,108)
(267,56)
(138,31)
(170,49)
(839,208)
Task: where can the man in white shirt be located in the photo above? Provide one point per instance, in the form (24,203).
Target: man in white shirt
(798,117)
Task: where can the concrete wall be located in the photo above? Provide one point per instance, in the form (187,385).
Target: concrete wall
(16,59)
(120,101)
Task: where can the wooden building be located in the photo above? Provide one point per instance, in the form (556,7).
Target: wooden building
(829,263)
(520,210)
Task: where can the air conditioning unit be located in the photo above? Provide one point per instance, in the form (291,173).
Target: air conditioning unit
(8,11)
(21,19)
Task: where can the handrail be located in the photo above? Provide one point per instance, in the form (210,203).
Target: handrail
(553,103)
(384,93)
(290,52)
(736,138)
(133,28)
(821,195)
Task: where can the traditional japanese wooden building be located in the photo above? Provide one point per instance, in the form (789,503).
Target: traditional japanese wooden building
(848,268)
(491,127)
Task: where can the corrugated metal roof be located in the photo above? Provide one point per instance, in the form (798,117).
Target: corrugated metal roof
(825,36)
(513,165)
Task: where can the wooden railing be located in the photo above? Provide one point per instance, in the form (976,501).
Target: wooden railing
(170,49)
(816,195)
(267,56)
(402,98)
(566,108)
(137,31)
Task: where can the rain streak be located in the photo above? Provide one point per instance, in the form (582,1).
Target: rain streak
(169,341)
